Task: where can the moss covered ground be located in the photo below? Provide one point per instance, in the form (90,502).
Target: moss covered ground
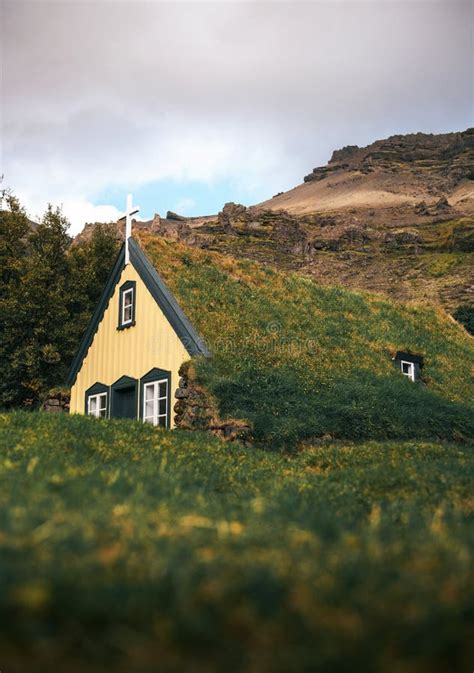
(129,548)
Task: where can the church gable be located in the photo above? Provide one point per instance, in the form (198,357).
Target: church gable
(128,362)
(121,287)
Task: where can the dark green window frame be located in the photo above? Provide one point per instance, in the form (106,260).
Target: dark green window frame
(125,289)
(152,376)
(97,389)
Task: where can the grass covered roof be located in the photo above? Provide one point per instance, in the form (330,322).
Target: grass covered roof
(300,360)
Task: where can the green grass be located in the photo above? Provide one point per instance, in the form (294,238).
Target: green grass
(450,236)
(302,361)
(128,548)
(439,264)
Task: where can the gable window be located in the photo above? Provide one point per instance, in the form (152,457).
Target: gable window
(155,402)
(127,305)
(408,369)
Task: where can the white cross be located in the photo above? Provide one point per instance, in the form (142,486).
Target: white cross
(128,224)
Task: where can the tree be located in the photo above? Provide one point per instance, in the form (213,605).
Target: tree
(35,319)
(49,289)
(90,262)
(14,230)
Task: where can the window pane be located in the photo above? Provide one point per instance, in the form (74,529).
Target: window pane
(149,409)
(162,421)
(92,405)
(149,391)
(162,407)
(102,413)
(406,368)
(148,420)
(163,389)
(127,306)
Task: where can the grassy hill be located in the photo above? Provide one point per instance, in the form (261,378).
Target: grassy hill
(128,548)
(303,361)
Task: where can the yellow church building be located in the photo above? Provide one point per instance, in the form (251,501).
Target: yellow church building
(128,361)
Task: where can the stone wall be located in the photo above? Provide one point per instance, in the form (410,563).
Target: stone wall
(196,409)
(57,401)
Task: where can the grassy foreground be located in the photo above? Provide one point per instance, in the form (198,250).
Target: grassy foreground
(301,361)
(127,548)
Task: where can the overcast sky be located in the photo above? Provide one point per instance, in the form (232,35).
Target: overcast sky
(190,105)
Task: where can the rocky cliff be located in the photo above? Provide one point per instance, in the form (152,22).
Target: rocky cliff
(395,217)
(444,159)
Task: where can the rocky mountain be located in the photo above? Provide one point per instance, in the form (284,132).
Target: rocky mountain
(395,217)
(402,169)
(449,156)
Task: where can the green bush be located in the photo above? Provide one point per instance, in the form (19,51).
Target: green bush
(465,315)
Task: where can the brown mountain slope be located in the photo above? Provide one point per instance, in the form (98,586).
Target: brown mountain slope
(428,260)
(395,217)
(402,169)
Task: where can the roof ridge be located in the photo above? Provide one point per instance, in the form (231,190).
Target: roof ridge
(167,301)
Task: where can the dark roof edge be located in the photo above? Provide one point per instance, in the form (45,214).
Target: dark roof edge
(410,357)
(97,316)
(163,296)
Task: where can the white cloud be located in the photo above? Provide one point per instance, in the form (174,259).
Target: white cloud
(95,148)
(77,211)
(96,97)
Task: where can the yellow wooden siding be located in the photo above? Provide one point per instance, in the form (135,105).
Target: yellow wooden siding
(133,351)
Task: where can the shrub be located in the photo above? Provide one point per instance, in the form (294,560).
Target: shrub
(465,315)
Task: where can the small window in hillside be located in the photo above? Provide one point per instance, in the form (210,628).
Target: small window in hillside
(408,369)
(409,364)
(97,405)
(155,402)
(127,305)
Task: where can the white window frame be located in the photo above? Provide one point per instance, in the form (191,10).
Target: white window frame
(155,417)
(411,373)
(101,405)
(129,291)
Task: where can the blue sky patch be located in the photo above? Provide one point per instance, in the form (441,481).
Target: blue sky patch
(190,198)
